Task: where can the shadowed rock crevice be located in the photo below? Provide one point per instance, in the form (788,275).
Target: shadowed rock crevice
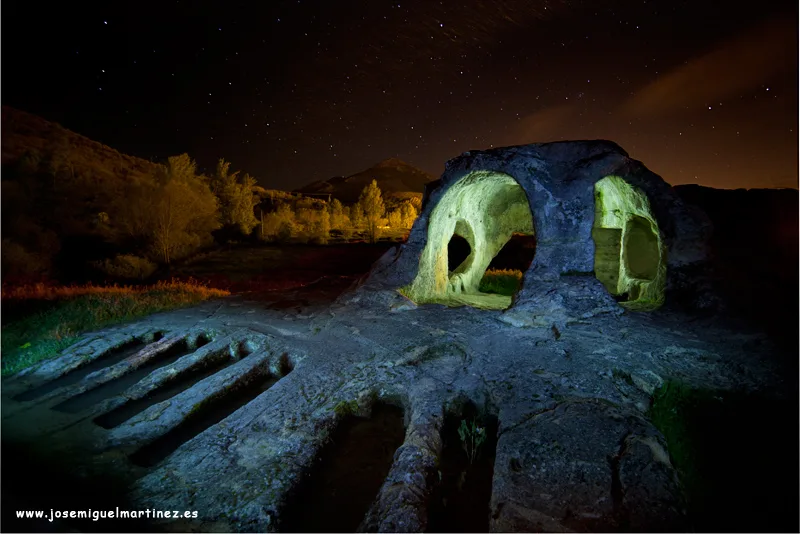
(337,491)
(118,385)
(206,414)
(178,384)
(107,359)
(460,500)
(617,491)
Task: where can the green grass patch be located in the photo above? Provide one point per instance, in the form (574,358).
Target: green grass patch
(78,309)
(733,451)
(671,412)
(501,282)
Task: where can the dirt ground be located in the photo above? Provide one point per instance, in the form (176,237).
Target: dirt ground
(284,276)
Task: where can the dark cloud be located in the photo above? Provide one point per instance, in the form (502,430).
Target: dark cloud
(732,68)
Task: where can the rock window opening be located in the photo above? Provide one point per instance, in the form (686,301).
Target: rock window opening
(458,250)
(477,218)
(629,256)
(516,255)
(335,493)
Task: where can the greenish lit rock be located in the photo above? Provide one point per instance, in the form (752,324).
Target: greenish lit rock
(630,258)
(484,208)
(606,228)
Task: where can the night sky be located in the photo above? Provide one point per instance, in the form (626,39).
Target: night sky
(700,91)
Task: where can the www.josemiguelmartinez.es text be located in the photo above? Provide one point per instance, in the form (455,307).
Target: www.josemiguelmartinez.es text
(96,515)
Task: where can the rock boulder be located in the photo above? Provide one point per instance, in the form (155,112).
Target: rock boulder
(607,229)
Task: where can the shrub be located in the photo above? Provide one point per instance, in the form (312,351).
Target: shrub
(17,261)
(127,267)
(395,219)
(305,218)
(320,231)
(270,224)
(408,211)
(337,215)
(280,225)
(285,231)
(235,197)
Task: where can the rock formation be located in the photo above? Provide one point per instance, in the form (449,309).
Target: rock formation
(246,415)
(606,229)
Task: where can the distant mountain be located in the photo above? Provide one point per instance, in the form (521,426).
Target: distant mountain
(393,175)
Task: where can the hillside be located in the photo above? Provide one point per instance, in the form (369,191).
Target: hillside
(393,176)
(71,205)
(24,132)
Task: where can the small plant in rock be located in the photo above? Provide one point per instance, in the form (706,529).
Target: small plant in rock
(344,408)
(472,437)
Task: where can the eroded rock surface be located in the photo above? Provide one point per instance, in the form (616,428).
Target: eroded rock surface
(575,451)
(585,466)
(226,408)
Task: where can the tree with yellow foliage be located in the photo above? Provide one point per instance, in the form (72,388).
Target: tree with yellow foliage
(370,202)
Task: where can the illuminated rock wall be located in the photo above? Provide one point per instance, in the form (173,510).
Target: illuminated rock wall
(605,227)
(486,209)
(629,258)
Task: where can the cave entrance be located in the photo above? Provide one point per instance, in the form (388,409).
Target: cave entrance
(483,218)
(629,255)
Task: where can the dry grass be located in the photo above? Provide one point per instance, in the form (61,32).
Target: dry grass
(74,310)
(185,288)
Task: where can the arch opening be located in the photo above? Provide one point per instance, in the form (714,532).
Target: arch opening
(505,272)
(458,250)
(517,254)
(630,257)
(485,210)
